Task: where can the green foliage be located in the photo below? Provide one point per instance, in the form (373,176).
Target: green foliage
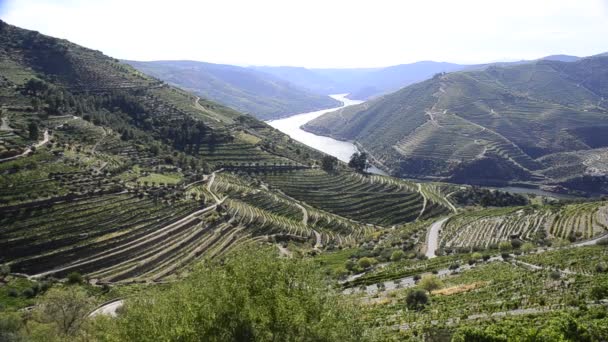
(359,162)
(416,299)
(430,283)
(254,295)
(329,163)
(75,278)
(366,262)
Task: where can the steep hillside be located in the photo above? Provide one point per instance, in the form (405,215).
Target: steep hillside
(496,125)
(111,173)
(246,90)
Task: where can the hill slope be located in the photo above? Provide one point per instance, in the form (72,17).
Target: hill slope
(109,172)
(246,90)
(491,125)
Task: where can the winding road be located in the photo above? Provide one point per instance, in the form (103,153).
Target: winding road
(109,308)
(432,241)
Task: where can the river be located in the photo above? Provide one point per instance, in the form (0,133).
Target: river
(339,149)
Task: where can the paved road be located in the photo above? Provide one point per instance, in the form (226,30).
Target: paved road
(109,309)
(432,241)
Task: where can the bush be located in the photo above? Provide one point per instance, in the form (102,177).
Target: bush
(486,257)
(527,247)
(28,293)
(505,246)
(430,283)
(75,278)
(5,270)
(366,262)
(555,275)
(505,255)
(599,292)
(416,299)
(397,255)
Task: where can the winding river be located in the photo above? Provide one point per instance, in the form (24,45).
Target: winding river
(339,149)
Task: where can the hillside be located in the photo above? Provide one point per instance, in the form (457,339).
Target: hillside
(249,91)
(360,83)
(111,173)
(501,124)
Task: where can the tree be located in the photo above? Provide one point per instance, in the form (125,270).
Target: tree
(430,283)
(33,130)
(359,162)
(329,163)
(254,296)
(65,308)
(416,299)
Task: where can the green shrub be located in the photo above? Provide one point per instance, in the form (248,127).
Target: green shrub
(416,299)
(75,278)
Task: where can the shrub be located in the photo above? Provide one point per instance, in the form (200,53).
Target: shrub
(416,299)
(505,246)
(505,255)
(397,255)
(555,275)
(75,278)
(430,283)
(486,257)
(516,243)
(5,270)
(527,247)
(599,292)
(28,293)
(366,262)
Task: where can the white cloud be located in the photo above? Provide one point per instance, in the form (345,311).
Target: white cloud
(317,33)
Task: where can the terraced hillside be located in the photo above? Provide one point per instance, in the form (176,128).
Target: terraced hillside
(245,89)
(111,173)
(487,228)
(501,124)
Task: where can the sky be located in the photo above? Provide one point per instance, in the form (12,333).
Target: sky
(321,33)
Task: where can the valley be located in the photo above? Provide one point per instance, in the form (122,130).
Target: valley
(145,210)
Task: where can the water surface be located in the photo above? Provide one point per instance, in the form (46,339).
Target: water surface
(339,149)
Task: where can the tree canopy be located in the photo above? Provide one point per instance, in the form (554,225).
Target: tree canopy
(253,296)
(359,162)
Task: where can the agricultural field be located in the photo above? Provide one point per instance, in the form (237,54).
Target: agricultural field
(537,224)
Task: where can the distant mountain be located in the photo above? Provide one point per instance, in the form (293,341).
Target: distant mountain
(386,80)
(561,58)
(244,89)
(494,125)
(360,83)
(305,78)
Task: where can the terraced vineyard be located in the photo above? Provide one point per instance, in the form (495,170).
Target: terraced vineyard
(367,200)
(489,227)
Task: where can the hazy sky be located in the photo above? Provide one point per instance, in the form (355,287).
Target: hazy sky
(321,33)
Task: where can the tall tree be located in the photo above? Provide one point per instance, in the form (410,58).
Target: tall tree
(359,162)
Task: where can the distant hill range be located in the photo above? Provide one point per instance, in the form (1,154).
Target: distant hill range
(367,83)
(246,90)
(513,122)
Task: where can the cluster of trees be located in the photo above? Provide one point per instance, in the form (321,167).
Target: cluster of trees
(359,162)
(489,198)
(252,296)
